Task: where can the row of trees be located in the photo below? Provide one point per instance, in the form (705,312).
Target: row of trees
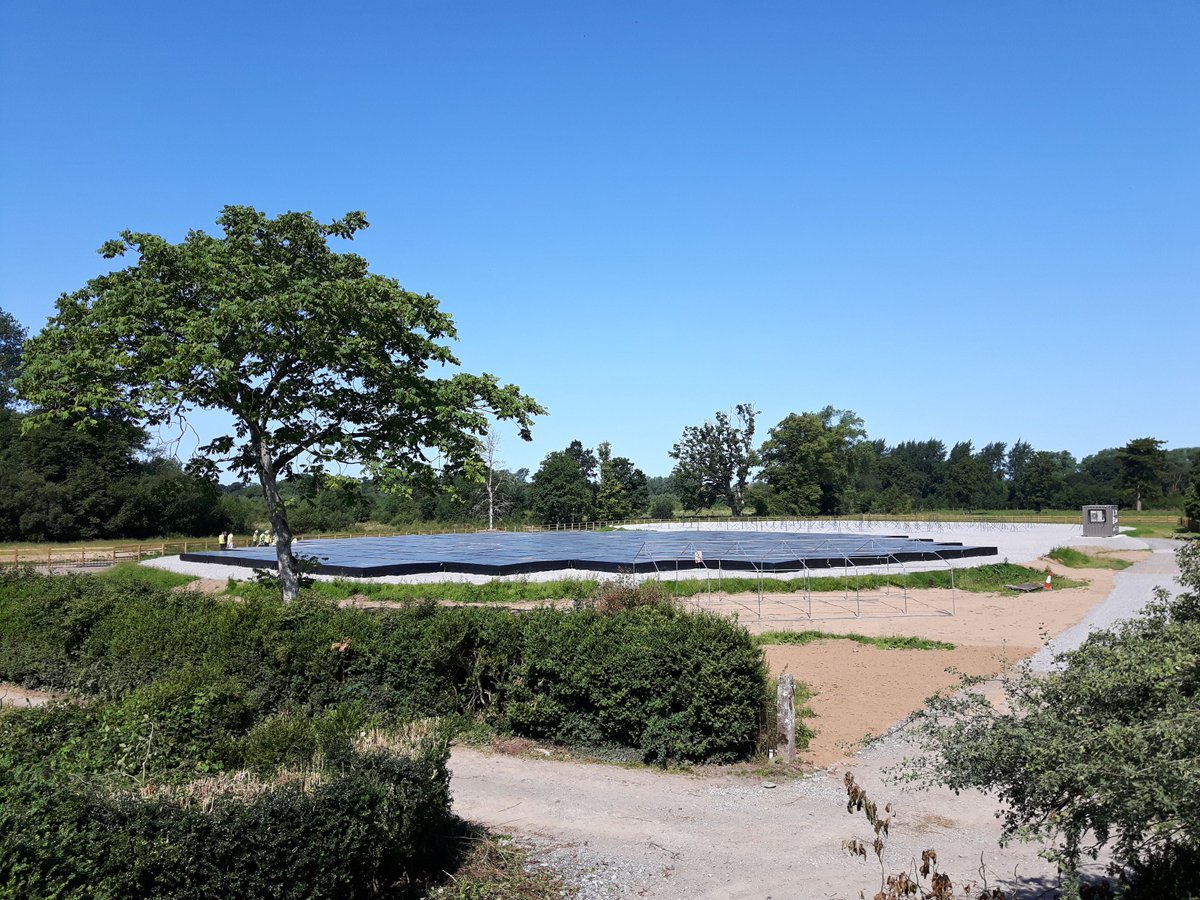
(824,463)
(321,362)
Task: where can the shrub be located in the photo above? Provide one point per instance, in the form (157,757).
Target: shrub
(374,824)
(633,671)
(673,684)
(663,506)
(1100,752)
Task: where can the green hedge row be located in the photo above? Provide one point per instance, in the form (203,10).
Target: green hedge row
(669,684)
(253,749)
(85,813)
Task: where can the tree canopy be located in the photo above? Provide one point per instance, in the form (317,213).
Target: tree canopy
(317,359)
(809,460)
(1145,464)
(12,336)
(713,461)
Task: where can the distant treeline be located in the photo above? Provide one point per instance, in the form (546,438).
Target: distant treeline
(60,483)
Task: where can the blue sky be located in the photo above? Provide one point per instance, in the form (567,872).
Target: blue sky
(961,220)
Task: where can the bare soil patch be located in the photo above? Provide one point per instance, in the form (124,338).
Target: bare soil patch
(15,695)
(202,586)
(860,690)
(979,619)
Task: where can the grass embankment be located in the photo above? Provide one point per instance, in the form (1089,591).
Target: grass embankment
(887,642)
(128,574)
(1077,559)
(979,579)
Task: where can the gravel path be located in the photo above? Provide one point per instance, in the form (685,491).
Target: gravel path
(1132,589)
(616,832)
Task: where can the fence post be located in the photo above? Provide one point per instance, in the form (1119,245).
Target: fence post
(787,717)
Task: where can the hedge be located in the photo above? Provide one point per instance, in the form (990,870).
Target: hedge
(253,749)
(668,684)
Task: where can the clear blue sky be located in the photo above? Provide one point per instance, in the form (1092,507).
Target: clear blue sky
(961,220)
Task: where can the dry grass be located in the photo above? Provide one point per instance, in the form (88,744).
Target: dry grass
(494,868)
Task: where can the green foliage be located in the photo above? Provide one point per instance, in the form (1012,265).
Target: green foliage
(369,827)
(315,358)
(663,506)
(12,336)
(628,670)
(61,483)
(560,491)
(1191,503)
(252,749)
(1100,752)
(130,573)
(713,461)
(809,460)
(674,685)
(1076,559)
(887,642)
(1144,465)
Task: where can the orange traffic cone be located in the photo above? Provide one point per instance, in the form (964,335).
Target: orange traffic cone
(1046,586)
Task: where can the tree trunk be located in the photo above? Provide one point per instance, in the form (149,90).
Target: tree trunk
(289,574)
(491,495)
(1138,497)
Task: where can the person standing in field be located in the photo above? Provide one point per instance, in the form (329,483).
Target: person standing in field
(221,541)
(229,541)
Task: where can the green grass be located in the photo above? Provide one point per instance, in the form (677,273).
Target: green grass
(132,573)
(463,592)
(978,579)
(1076,559)
(889,642)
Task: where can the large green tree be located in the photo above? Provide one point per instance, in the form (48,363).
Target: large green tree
(12,336)
(809,460)
(713,461)
(1145,466)
(560,493)
(317,359)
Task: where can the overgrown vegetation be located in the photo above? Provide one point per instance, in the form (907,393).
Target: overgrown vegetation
(299,750)
(886,642)
(1102,752)
(1077,559)
(921,881)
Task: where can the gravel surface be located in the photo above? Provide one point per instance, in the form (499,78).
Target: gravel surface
(1132,589)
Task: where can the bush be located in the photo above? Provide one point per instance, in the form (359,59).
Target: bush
(674,685)
(633,671)
(663,506)
(373,824)
(1100,752)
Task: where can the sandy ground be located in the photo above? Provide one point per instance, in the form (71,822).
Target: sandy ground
(959,616)
(860,690)
(15,695)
